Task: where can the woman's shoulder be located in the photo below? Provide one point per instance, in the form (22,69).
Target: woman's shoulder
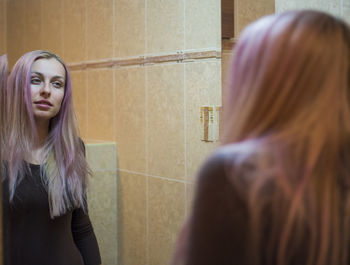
(237,163)
(235,154)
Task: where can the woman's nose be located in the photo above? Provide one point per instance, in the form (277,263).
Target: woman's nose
(45,89)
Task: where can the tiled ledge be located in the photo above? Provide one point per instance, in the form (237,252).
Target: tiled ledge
(102,196)
(101,156)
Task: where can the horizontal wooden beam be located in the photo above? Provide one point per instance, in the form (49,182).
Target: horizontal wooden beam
(171,57)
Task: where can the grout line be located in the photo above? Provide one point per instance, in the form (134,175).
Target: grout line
(6,31)
(146,24)
(62,30)
(86,75)
(147,219)
(185,41)
(148,175)
(85,29)
(114,72)
(146,136)
(42,24)
(185,136)
(342,8)
(103,170)
(113,28)
(235,18)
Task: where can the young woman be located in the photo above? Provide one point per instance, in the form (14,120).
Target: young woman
(278,191)
(45,171)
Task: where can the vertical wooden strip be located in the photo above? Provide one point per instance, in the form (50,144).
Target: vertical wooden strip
(227,19)
(206,123)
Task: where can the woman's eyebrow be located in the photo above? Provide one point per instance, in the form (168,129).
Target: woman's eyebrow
(54,77)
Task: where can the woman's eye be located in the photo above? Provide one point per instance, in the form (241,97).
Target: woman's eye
(57,84)
(35,81)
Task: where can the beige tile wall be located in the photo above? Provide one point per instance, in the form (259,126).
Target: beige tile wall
(164,26)
(15,29)
(129,39)
(33,36)
(52,25)
(336,7)
(151,111)
(132,217)
(202,23)
(100,104)
(130,114)
(246,11)
(166,214)
(74,30)
(99,23)
(3,27)
(165,102)
(203,83)
(79,87)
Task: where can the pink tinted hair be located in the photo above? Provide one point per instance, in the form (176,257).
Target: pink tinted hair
(3,82)
(64,168)
(288,94)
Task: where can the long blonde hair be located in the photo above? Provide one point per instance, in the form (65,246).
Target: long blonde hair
(64,168)
(288,91)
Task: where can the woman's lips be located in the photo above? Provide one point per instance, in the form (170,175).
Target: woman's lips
(43,104)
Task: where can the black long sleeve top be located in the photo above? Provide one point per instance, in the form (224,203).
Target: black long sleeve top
(32,237)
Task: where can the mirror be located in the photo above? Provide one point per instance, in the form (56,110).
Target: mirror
(141,71)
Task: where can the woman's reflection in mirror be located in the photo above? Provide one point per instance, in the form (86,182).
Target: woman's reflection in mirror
(45,171)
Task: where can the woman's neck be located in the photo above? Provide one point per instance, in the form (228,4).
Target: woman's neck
(37,151)
(42,135)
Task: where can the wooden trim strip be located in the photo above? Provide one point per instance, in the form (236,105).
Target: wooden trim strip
(175,57)
(228,44)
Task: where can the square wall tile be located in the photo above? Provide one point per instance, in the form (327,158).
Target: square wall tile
(247,11)
(32,27)
(53,14)
(166,120)
(100,105)
(282,5)
(3,27)
(346,14)
(99,39)
(190,192)
(15,30)
(330,6)
(80,100)
(203,88)
(226,58)
(165,25)
(102,200)
(132,219)
(129,37)
(74,41)
(130,109)
(101,156)
(203,24)
(166,216)
(334,7)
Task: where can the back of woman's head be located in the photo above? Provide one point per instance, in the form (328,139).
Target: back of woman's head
(288,87)
(289,72)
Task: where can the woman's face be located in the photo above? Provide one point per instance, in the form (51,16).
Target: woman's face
(48,80)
